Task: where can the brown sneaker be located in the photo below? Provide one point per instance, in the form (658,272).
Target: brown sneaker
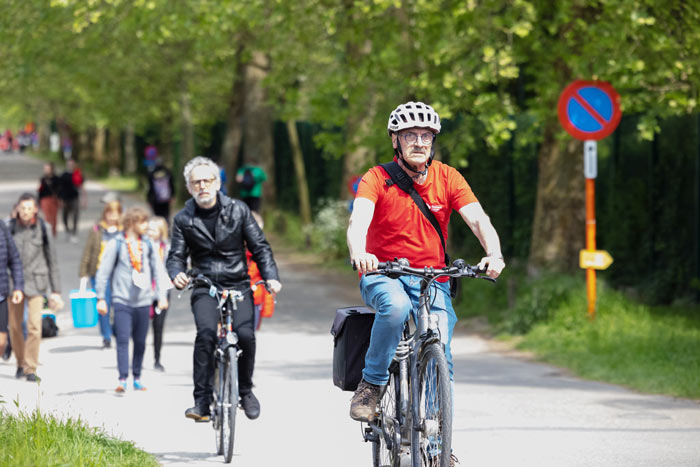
(364,402)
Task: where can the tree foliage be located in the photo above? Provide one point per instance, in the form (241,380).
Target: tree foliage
(493,69)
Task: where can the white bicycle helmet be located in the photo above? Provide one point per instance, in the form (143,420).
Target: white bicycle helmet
(413,115)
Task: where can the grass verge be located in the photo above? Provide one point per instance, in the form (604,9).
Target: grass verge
(41,440)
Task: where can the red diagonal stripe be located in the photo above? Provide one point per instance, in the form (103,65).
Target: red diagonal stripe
(590,109)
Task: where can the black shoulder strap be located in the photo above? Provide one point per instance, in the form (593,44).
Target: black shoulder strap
(403,181)
(44,240)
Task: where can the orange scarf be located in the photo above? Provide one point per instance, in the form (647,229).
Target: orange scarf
(135,257)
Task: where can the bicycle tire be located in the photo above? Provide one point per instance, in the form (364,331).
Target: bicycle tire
(230,403)
(431,443)
(384,455)
(215,412)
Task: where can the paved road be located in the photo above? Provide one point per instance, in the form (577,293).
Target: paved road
(508,411)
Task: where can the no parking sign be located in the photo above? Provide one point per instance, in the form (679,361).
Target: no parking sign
(589,110)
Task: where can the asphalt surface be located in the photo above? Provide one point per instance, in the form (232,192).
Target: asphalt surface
(508,411)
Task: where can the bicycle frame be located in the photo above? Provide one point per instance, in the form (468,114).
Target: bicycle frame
(406,357)
(413,353)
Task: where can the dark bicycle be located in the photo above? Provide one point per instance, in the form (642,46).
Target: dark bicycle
(414,416)
(225,399)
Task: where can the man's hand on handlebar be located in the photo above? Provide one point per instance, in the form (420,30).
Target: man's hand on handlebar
(274,286)
(365,262)
(181,280)
(493,265)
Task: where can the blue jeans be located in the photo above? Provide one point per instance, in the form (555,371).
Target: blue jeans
(393,300)
(104,320)
(130,322)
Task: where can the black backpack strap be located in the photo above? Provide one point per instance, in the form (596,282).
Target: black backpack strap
(403,181)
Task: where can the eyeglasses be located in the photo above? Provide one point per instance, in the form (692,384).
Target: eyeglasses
(412,138)
(204,182)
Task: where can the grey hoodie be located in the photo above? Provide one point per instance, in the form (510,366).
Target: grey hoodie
(120,271)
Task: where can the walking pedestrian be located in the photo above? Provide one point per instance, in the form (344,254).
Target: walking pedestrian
(69,193)
(9,260)
(250,179)
(131,263)
(160,190)
(158,232)
(106,229)
(41,277)
(48,195)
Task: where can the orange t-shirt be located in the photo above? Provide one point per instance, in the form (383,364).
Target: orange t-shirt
(399,229)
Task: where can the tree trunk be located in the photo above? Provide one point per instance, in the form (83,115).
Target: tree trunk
(258,146)
(300,171)
(130,160)
(114,152)
(187,128)
(356,158)
(559,225)
(98,151)
(231,146)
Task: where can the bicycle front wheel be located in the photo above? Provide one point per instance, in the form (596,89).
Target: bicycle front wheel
(229,399)
(216,406)
(385,451)
(432,437)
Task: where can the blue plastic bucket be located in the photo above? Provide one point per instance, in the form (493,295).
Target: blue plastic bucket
(83,305)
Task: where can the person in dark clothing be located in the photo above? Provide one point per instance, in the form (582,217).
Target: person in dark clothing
(214,231)
(9,260)
(161,190)
(48,195)
(69,194)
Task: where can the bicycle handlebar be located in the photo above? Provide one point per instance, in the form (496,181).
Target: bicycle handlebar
(401,267)
(197,278)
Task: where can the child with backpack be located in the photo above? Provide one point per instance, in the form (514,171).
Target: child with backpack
(131,263)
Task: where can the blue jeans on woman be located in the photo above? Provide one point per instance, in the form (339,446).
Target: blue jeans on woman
(104,320)
(130,322)
(393,300)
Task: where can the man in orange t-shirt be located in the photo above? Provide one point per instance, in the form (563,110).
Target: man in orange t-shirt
(386,224)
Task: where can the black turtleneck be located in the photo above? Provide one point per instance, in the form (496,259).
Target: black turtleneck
(209,216)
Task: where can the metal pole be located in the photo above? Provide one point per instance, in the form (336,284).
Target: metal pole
(590,156)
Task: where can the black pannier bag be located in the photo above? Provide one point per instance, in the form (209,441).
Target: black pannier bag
(351,330)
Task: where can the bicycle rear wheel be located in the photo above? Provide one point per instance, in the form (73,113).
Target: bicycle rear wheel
(387,454)
(229,403)
(432,440)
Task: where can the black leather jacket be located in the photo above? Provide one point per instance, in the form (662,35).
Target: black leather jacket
(221,259)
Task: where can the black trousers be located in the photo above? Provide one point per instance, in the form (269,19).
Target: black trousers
(158,323)
(206,318)
(71,210)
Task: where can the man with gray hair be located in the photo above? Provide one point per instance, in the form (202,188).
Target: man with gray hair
(214,231)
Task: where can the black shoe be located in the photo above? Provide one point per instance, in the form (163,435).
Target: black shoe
(20,372)
(250,405)
(33,378)
(8,352)
(158,366)
(197,414)
(106,343)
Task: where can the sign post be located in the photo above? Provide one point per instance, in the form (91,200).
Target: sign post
(589,111)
